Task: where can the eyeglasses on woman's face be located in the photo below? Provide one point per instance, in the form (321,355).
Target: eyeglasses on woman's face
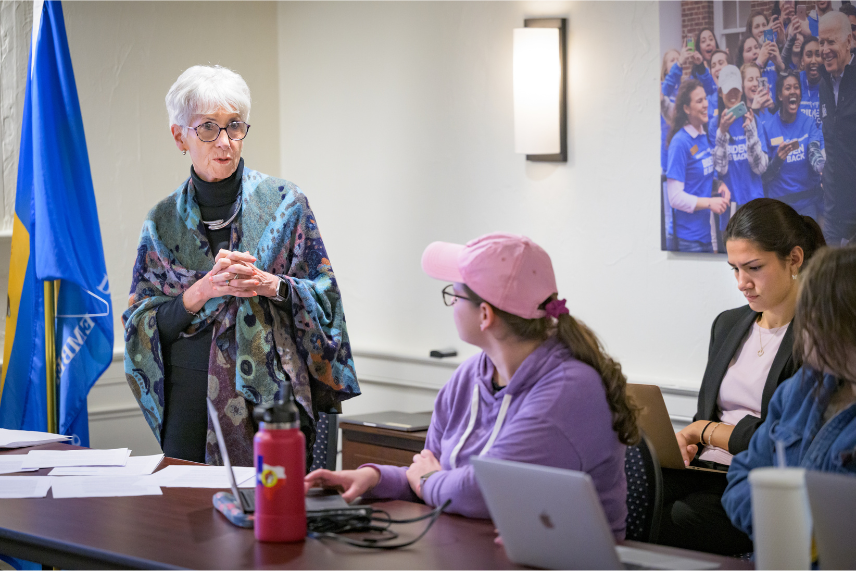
(450,298)
(209,131)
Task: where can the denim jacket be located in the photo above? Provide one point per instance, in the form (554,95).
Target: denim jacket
(795,417)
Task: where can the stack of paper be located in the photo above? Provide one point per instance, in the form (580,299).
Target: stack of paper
(54,458)
(9,464)
(104,486)
(204,477)
(24,486)
(22,438)
(135,466)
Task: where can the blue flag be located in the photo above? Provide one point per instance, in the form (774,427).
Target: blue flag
(56,236)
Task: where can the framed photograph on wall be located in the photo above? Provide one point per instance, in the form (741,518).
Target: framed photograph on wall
(739,115)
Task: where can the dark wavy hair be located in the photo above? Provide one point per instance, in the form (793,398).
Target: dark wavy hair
(780,84)
(587,348)
(824,327)
(698,41)
(683,98)
(775,227)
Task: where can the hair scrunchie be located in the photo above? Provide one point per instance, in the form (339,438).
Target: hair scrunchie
(556,308)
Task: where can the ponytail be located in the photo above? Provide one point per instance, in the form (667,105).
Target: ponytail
(813,234)
(586,347)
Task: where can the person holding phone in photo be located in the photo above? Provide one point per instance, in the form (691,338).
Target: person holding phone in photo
(756,96)
(769,59)
(690,185)
(747,53)
(740,152)
(794,45)
(795,148)
(718,60)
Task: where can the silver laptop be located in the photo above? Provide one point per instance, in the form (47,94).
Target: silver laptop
(832,498)
(553,519)
(317,501)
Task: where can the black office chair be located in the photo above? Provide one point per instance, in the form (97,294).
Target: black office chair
(326,441)
(644,491)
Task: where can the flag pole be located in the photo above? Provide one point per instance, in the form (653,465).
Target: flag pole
(50,355)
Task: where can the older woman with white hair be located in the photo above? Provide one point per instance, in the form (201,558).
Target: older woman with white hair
(233,295)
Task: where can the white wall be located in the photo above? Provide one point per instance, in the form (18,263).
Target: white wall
(397,123)
(396,120)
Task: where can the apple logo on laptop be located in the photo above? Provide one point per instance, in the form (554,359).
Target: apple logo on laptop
(546,521)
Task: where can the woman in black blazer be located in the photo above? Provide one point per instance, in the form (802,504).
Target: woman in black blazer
(751,353)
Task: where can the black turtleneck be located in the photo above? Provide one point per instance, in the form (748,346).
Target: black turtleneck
(185,422)
(215,200)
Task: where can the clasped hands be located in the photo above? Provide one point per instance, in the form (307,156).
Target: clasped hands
(354,483)
(233,274)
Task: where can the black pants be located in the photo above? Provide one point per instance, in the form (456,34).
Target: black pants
(693,516)
(185,423)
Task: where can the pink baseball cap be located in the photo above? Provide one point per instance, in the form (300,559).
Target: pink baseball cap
(510,272)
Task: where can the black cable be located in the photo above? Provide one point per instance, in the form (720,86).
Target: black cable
(374,543)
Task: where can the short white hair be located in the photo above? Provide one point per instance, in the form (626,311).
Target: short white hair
(204,89)
(839,19)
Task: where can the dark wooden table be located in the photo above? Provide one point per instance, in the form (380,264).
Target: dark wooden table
(372,445)
(182,529)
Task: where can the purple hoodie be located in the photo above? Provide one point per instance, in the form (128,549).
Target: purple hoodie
(556,415)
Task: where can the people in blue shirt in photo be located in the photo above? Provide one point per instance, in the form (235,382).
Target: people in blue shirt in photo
(689,172)
(795,146)
(672,80)
(810,80)
(740,150)
(758,100)
(821,8)
(718,60)
(767,56)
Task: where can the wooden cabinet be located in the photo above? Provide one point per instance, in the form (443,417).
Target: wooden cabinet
(368,445)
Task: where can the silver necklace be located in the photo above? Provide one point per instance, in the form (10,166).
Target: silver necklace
(220,224)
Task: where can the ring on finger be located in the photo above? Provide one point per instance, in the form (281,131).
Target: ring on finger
(227,282)
(235,277)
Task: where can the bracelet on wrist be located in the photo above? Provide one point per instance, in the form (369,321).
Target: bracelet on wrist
(701,438)
(193,313)
(712,430)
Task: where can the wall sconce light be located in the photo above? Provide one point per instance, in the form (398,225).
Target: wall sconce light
(540,92)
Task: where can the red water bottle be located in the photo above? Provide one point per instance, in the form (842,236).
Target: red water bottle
(280,460)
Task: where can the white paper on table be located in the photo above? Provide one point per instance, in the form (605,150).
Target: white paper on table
(54,458)
(24,486)
(104,486)
(204,476)
(135,466)
(22,438)
(11,463)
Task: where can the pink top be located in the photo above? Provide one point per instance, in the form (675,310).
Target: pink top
(742,387)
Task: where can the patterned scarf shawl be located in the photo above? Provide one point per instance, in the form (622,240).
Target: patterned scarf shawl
(256,346)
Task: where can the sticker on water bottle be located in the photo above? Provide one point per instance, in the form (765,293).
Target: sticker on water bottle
(269,476)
